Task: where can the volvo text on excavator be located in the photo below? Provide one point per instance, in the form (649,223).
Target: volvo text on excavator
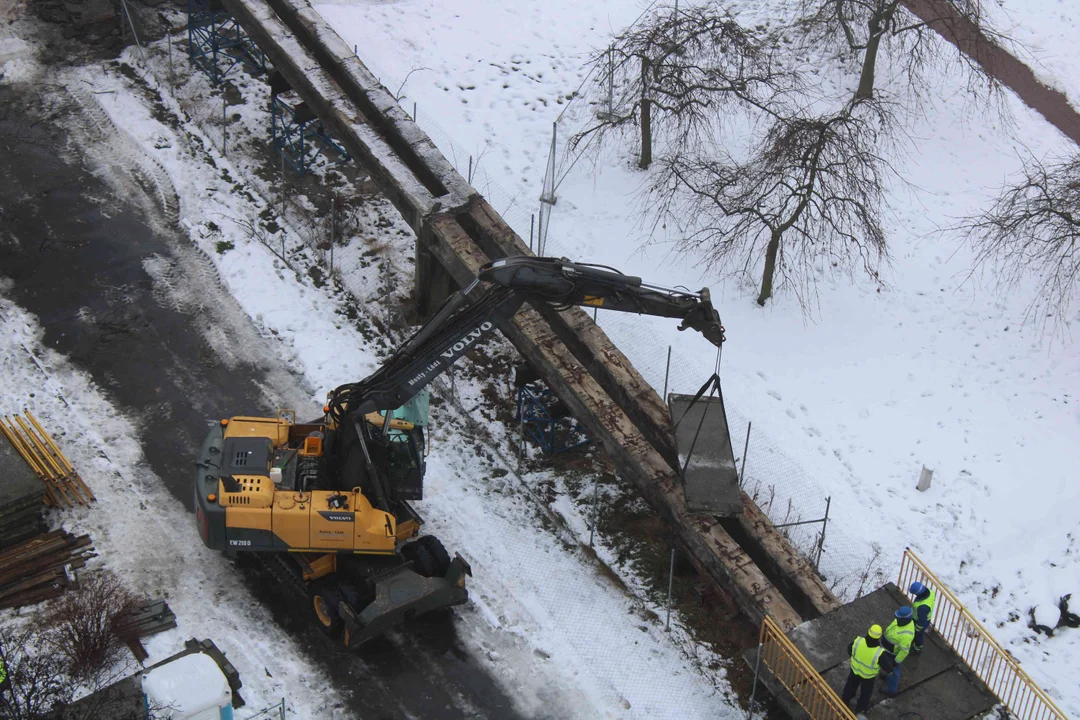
(327,501)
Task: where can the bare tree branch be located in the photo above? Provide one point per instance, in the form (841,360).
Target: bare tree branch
(862,28)
(689,67)
(808,196)
(1032,231)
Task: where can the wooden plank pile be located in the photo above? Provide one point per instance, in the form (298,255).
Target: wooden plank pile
(21,498)
(41,568)
(153,617)
(64,488)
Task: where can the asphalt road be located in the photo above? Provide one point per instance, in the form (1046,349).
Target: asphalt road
(77,252)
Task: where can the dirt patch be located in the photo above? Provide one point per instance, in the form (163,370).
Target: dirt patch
(999,63)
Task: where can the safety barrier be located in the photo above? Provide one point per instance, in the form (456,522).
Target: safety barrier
(971,641)
(796,674)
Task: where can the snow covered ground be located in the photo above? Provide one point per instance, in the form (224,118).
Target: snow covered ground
(935,367)
(1047,30)
(204,591)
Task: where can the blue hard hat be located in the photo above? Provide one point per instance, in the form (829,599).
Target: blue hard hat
(903,613)
(917,588)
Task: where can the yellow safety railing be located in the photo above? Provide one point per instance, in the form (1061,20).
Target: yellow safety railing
(796,674)
(991,662)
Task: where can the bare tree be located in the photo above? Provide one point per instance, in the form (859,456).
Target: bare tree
(73,649)
(1033,231)
(810,193)
(675,73)
(862,27)
(37,677)
(87,626)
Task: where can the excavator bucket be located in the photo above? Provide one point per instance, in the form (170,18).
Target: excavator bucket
(403,593)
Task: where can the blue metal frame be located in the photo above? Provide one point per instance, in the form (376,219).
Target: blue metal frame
(216,44)
(302,141)
(552,434)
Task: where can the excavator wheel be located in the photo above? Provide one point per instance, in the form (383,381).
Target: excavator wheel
(324,603)
(438,554)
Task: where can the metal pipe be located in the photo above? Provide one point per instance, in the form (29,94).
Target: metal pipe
(746,447)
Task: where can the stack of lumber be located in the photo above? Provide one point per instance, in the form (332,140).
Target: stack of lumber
(40,568)
(149,619)
(21,498)
(64,487)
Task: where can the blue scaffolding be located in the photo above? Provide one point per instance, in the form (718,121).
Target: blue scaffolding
(542,416)
(298,134)
(217,44)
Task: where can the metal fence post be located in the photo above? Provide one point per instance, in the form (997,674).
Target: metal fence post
(521,431)
(753,691)
(224,122)
(532,225)
(667,373)
(821,538)
(670,584)
(333,228)
(746,448)
(595,492)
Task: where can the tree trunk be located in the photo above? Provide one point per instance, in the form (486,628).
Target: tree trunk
(770,268)
(866,80)
(646,118)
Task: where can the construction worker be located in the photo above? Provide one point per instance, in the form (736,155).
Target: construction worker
(898,638)
(925,599)
(868,658)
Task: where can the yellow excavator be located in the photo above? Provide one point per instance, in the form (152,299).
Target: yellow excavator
(327,501)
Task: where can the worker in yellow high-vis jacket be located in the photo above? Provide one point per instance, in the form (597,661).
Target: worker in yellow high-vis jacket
(898,638)
(923,607)
(867,659)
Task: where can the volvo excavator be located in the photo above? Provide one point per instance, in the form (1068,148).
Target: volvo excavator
(328,500)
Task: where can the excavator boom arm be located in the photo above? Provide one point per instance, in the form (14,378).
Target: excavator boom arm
(463,320)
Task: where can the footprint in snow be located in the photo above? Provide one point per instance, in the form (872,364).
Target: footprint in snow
(761,375)
(790,413)
(774,394)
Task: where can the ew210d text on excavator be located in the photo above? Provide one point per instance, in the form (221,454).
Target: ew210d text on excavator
(327,502)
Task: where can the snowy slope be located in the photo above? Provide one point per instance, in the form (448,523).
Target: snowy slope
(935,368)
